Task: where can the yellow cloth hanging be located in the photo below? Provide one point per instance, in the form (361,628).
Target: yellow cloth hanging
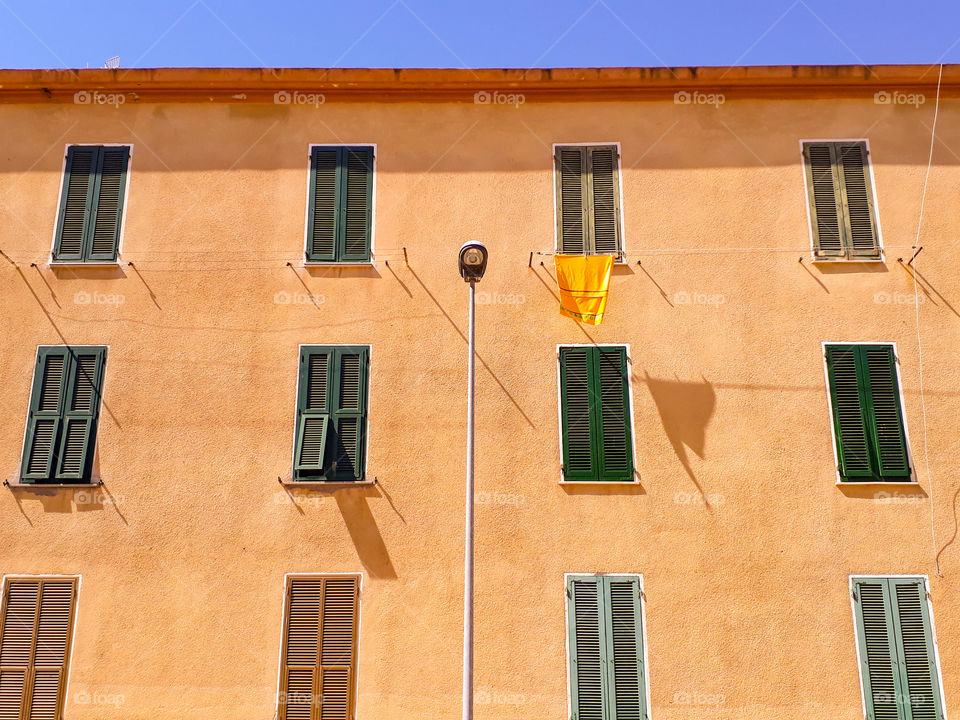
(583,281)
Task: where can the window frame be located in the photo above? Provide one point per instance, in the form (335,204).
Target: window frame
(840,482)
(851,581)
(291,480)
(620,259)
(881,256)
(284,609)
(94,481)
(633,435)
(638,576)
(373,207)
(52,259)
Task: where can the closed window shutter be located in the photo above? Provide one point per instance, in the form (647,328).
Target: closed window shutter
(346,461)
(897,662)
(76,202)
(314,410)
(580,452)
(606,648)
(320,649)
(107,212)
(858,200)
(887,415)
(847,392)
(587,685)
(842,213)
(604,200)
(918,668)
(324,204)
(572,200)
(627,695)
(35,647)
(616,456)
(64,407)
(357,212)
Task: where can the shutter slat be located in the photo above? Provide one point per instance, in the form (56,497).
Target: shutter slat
(85,382)
(587,667)
(19,620)
(357,211)
(12,685)
(571,179)
(52,382)
(109,209)
(916,649)
(848,411)
(577,412)
(73,447)
(347,446)
(42,435)
(825,201)
(312,442)
(298,700)
(605,200)
(887,414)
(53,630)
(75,206)
(323,211)
(44,694)
(317,372)
(859,200)
(627,653)
(350,381)
(617,457)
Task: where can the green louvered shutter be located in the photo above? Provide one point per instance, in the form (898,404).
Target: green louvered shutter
(826,199)
(604,196)
(324,203)
(849,415)
(626,693)
(357,211)
(918,667)
(878,653)
(313,410)
(886,414)
(76,203)
(350,394)
(578,417)
(64,407)
(612,391)
(572,200)
(587,684)
(80,410)
(860,224)
(107,212)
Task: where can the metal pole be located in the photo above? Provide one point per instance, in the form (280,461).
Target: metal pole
(468,535)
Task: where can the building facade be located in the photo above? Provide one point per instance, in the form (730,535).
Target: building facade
(234,368)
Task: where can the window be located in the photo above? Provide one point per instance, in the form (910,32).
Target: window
(319,665)
(594,414)
(35,646)
(898,666)
(91,204)
(64,407)
(340,219)
(842,215)
(604,622)
(331,413)
(588,200)
(867,416)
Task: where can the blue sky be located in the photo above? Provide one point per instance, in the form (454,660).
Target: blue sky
(476,33)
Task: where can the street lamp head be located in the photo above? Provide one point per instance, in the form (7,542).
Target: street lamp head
(473,261)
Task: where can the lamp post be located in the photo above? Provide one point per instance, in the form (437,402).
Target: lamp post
(473,263)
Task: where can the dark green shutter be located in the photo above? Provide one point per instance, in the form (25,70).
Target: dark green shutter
(572,200)
(341,204)
(606,648)
(604,200)
(357,210)
(897,662)
(324,201)
(580,452)
(64,407)
(595,420)
(867,414)
(331,413)
(841,200)
(91,203)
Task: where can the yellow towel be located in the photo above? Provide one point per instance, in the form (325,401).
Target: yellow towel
(583,281)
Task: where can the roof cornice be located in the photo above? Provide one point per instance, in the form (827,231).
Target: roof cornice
(461,85)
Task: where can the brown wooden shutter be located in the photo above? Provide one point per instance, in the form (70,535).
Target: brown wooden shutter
(572,193)
(319,664)
(35,642)
(858,200)
(604,200)
(825,197)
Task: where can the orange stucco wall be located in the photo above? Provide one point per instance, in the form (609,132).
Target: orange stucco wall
(744,542)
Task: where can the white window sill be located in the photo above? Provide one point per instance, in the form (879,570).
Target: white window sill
(44,485)
(328,484)
(846,261)
(599,482)
(82,264)
(875,484)
(369,263)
